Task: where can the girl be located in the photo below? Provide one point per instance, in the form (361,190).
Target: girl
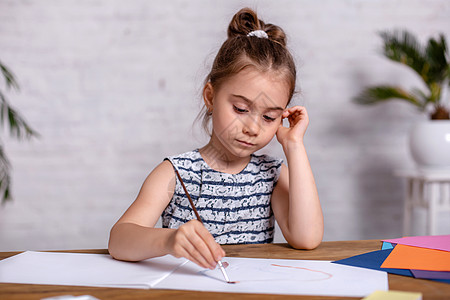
(237,193)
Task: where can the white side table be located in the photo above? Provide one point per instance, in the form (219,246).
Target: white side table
(427,189)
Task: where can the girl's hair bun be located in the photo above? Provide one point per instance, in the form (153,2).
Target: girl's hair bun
(246,21)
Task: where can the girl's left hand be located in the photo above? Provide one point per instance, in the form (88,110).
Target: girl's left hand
(298,122)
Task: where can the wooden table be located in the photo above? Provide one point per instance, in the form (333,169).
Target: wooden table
(326,251)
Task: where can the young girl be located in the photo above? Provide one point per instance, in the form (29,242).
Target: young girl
(237,193)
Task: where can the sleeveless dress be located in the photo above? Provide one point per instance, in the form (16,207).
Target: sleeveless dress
(235,208)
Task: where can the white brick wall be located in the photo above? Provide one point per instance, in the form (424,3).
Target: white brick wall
(113,87)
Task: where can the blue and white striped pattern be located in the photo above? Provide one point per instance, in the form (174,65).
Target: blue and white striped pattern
(235,208)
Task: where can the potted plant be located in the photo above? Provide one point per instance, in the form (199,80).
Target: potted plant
(17,126)
(430,140)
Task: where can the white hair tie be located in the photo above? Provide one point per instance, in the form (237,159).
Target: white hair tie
(258,33)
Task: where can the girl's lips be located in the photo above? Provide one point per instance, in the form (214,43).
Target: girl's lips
(246,144)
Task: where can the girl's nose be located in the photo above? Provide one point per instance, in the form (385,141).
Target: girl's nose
(251,126)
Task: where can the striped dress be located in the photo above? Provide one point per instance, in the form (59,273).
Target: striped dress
(235,208)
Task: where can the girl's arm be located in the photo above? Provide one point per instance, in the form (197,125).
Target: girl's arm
(134,237)
(295,201)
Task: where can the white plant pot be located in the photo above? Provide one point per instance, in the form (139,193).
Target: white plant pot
(429,143)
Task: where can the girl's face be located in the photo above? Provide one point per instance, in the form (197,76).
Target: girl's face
(246,111)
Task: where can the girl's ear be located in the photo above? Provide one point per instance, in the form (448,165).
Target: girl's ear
(208,96)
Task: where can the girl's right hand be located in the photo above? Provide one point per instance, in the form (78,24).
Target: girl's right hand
(194,242)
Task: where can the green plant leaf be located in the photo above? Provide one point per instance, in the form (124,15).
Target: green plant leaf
(384,93)
(431,62)
(18,127)
(403,47)
(437,60)
(9,77)
(5,179)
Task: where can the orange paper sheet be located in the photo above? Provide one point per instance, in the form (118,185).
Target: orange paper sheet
(408,257)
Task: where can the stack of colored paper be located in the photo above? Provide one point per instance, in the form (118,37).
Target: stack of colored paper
(426,257)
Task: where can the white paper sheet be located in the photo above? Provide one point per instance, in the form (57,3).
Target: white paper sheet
(271,276)
(280,276)
(85,270)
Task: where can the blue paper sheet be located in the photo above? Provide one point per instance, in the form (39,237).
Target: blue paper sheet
(386,246)
(373,260)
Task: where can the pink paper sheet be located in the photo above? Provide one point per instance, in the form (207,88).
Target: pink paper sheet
(438,242)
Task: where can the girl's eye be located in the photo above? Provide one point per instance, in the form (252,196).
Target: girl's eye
(239,110)
(268,119)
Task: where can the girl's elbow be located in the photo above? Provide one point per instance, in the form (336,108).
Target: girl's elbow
(121,254)
(118,250)
(114,251)
(305,243)
(304,246)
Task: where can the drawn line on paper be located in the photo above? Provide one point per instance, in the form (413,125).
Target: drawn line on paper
(301,268)
(328,275)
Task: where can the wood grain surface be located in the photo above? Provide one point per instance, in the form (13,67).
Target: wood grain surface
(326,251)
